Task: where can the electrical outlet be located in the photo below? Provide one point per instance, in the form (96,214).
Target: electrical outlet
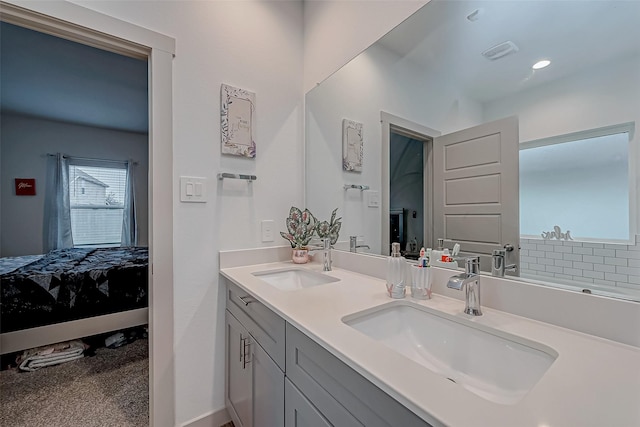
(267,226)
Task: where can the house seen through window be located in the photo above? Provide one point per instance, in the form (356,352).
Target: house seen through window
(96,196)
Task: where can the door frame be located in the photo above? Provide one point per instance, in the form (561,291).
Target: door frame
(79,24)
(406,127)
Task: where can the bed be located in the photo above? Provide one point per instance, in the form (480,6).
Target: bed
(71,293)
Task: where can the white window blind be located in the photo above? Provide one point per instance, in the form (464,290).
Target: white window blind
(97,195)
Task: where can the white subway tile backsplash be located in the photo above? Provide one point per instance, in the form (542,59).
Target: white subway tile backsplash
(605,252)
(583,265)
(545,274)
(572,271)
(554,269)
(593,245)
(593,259)
(615,261)
(582,251)
(572,257)
(604,282)
(627,254)
(607,264)
(615,277)
(563,263)
(605,268)
(635,271)
(568,243)
(594,274)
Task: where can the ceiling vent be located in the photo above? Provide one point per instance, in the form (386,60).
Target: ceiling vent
(500,50)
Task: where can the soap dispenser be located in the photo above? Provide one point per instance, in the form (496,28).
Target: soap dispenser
(396,267)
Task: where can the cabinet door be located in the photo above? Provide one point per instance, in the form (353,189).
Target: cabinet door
(238,373)
(299,412)
(268,389)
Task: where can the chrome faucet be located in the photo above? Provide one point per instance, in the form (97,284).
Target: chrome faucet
(498,266)
(470,280)
(326,251)
(353,244)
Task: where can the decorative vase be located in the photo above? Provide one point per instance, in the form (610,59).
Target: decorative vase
(300,256)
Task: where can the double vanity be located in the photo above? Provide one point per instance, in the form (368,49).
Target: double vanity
(309,347)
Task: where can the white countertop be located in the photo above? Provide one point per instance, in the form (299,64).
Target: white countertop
(593,381)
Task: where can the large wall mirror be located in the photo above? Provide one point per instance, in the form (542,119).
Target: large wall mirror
(464,139)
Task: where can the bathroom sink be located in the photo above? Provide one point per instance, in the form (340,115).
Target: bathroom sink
(492,364)
(291,279)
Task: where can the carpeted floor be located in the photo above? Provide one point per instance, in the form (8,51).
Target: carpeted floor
(108,389)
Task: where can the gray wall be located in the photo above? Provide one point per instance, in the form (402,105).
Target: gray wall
(25,144)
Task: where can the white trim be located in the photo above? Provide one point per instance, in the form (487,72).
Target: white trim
(583,134)
(84,25)
(210,419)
(77,23)
(390,122)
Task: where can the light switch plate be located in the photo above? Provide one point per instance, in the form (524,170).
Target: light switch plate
(193,189)
(373,199)
(266,227)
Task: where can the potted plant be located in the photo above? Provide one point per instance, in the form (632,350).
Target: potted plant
(301,226)
(330,229)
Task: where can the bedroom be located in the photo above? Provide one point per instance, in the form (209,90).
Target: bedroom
(90,106)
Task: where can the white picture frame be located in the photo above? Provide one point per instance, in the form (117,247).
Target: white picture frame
(352,146)
(237,113)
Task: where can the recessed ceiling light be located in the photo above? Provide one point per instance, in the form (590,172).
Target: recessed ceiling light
(541,64)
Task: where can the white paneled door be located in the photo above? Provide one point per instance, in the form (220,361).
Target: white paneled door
(476,194)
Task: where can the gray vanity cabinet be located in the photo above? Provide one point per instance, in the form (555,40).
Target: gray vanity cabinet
(254,381)
(319,390)
(299,412)
(340,394)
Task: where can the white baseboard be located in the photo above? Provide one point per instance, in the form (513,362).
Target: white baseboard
(212,419)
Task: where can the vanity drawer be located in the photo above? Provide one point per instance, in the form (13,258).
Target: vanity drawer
(343,396)
(266,327)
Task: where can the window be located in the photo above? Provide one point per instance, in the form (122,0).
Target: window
(579,183)
(96,195)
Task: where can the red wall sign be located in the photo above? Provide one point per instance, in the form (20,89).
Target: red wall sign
(25,187)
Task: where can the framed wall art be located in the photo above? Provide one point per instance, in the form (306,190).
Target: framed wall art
(237,111)
(352,142)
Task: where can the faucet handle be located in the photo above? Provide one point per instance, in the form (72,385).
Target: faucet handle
(472,265)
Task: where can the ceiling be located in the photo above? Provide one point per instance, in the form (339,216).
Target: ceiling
(572,34)
(48,77)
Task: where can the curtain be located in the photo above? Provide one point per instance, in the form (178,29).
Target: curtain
(57,211)
(129,224)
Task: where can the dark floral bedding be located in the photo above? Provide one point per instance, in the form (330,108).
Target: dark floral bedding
(70,284)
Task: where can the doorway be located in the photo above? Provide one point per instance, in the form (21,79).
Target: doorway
(83,25)
(408,179)
(407,184)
